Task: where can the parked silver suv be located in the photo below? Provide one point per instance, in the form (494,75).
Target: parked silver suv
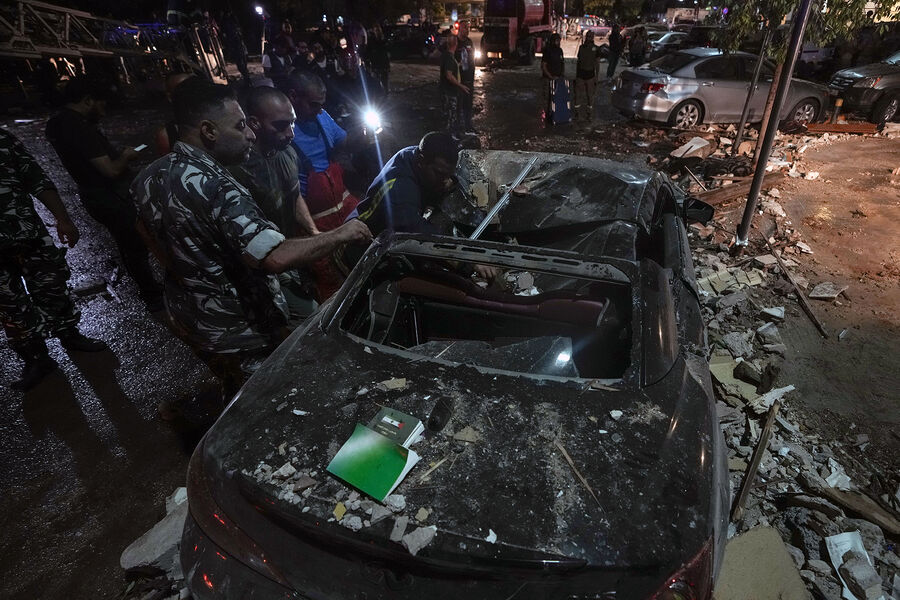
(705,85)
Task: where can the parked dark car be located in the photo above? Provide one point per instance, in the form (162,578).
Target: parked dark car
(664,43)
(700,36)
(872,90)
(704,85)
(599,359)
(409,41)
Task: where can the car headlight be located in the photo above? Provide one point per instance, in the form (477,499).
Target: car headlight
(477,54)
(867,82)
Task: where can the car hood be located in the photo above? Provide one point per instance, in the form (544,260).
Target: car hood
(870,70)
(649,456)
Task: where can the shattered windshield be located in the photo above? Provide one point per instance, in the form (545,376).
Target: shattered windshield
(530,322)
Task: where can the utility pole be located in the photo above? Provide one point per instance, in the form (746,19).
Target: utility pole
(750,92)
(784,83)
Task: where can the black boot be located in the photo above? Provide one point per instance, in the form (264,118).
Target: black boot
(38,364)
(74,340)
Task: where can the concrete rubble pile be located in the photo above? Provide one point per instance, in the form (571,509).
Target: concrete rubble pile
(152,562)
(810,490)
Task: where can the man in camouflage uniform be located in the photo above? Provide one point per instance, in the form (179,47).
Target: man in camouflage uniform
(220,252)
(271,176)
(27,253)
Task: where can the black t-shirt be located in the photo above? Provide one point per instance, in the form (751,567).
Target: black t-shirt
(448,63)
(76,141)
(586,67)
(556,62)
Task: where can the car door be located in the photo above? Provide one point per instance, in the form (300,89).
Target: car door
(721,88)
(761,91)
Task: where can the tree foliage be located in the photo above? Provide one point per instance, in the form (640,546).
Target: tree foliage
(830,20)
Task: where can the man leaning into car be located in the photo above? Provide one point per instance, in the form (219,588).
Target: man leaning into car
(220,253)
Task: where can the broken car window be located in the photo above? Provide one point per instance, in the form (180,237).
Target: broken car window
(537,323)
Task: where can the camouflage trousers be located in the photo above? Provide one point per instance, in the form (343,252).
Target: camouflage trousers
(34,300)
(450,108)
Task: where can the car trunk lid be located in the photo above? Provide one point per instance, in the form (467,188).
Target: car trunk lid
(517,495)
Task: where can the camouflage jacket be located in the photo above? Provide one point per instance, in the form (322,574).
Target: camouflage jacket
(20,178)
(215,236)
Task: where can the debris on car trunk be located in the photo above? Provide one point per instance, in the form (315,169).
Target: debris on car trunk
(394,383)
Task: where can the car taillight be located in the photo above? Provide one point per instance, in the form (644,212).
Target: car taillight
(219,528)
(693,581)
(649,88)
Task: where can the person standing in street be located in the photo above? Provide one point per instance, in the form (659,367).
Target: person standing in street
(637,46)
(465,56)
(34,300)
(220,252)
(270,175)
(553,70)
(586,77)
(451,87)
(102,175)
(317,139)
(616,45)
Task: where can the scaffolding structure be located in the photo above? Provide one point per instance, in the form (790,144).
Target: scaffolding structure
(34,31)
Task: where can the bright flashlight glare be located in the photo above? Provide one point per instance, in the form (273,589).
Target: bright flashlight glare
(259,9)
(477,54)
(372,119)
(563,357)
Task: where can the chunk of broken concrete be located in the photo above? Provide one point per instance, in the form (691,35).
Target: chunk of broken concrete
(738,344)
(394,383)
(827,290)
(467,434)
(860,576)
(419,538)
(698,146)
(765,260)
(776,312)
(158,548)
(399,528)
(395,502)
(768,334)
(747,371)
(747,556)
(379,513)
(286,470)
(178,497)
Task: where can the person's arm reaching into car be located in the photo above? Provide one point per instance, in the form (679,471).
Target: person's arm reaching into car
(296,251)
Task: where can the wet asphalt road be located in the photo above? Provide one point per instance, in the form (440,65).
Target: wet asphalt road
(86,460)
(87,463)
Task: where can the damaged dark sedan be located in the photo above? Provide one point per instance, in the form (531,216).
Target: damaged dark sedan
(571,447)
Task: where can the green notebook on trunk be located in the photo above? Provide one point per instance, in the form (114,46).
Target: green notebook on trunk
(372,463)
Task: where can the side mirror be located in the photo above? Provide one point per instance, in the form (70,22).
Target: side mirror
(697,211)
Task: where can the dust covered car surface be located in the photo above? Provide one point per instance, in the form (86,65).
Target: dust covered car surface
(571,448)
